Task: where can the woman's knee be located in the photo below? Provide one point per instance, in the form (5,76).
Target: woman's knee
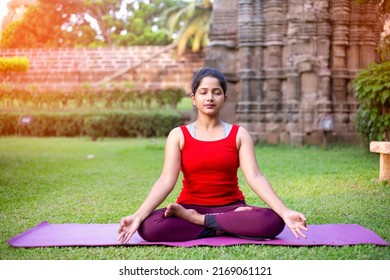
(255,223)
(150,229)
(276,223)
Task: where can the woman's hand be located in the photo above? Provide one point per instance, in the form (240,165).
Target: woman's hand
(128,226)
(296,222)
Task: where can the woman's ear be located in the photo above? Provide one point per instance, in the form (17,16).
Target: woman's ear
(193,99)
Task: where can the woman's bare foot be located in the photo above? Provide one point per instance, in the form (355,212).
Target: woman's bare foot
(189,215)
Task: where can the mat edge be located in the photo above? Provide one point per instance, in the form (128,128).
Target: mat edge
(27,232)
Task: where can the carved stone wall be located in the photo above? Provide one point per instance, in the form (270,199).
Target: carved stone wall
(290,62)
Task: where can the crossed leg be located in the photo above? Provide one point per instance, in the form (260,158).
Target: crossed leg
(191,215)
(177,223)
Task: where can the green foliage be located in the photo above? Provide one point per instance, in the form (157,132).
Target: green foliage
(114,110)
(124,124)
(48,24)
(8,124)
(93,124)
(10,37)
(143,27)
(95,127)
(169,97)
(103,12)
(124,96)
(13,64)
(44,25)
(372,89)
(190,21)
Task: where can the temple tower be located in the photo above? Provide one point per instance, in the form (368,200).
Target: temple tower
(291,62)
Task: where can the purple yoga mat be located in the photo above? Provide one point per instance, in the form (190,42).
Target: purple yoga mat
(49,235)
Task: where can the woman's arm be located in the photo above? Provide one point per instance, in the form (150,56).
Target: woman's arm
(161,188)
(259,184)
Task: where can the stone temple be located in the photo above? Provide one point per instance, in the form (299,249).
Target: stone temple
(290,65)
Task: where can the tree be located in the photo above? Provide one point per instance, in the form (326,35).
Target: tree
(190,21)
(102,12)
(142,26)
(372,90)
(43,25)
(69,23)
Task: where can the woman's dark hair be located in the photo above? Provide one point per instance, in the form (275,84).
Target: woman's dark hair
(208,72)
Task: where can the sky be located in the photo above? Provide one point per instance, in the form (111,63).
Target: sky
(3,9)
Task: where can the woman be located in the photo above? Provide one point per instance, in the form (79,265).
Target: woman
(209,152)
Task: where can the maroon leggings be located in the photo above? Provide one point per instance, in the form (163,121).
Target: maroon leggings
(257,223)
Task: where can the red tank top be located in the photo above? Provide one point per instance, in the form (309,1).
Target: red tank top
(210,170)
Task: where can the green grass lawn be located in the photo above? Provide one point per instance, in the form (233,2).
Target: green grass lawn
(53,179)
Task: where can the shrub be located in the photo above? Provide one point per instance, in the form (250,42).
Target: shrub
(123,124)
(170,97)
(81,97)
(94,125)
(372,89)
(13,64)
(8,123)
